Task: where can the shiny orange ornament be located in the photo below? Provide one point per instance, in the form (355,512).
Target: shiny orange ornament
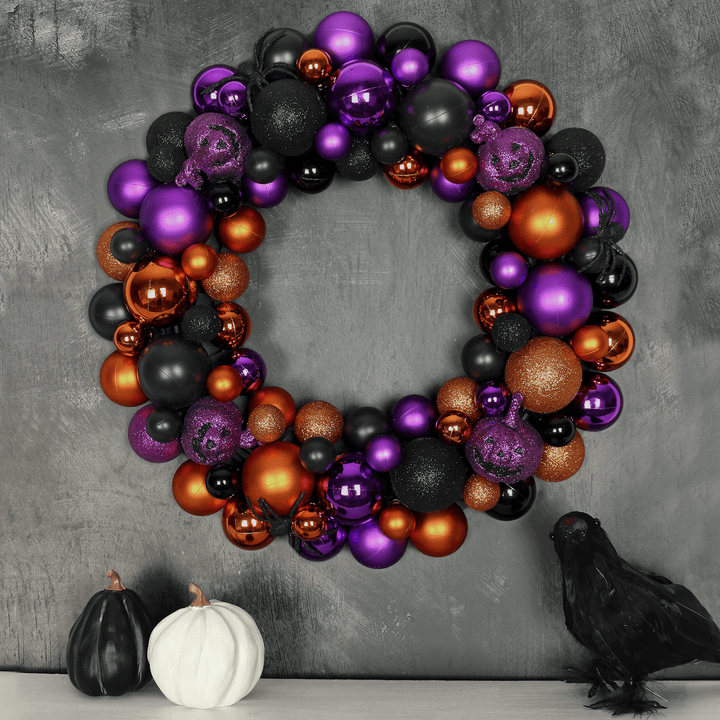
(532,106)
(480,493)
(491,210)
(318,419)
(266,423)
(243,231)
(278,397)
(454,427)
(131,337)
(199,261)
(111,266)
(440,533)
(235,325)
(397,521)
(190,491)
(459,393)
(158,291)
(488,305)
(315,67)
(547,373)
(242,528)
(560,463)
(410,172)
(546,222)
(590,342)
(273,472)
(309,522)
(230,279)
(119,380)
(224,383)
(459,165)
(621,340)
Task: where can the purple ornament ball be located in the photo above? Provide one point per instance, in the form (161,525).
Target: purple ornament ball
(449,191)
(353,489)
(332,141)
(251,367)
(509,270)
(128,186)
(173,218)
(556,299)
(410,67)
(612,204)
(383,453)
(473,65)
(209,101)
(265,195)
(232,100)
(211,431)
(344,36)
(413,416)
(327,546)
(597,404)
(144,446)
(493,398)
(495,106)
(372,548)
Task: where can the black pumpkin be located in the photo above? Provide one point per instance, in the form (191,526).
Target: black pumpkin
(107,647)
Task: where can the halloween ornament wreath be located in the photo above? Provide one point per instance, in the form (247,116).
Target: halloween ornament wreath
(297,115)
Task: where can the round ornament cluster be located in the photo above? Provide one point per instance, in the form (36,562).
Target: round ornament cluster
(302,111)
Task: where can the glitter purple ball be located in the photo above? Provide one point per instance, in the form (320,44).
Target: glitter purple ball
(332,141)
(372,548)
(413,416)
(211,431)
(344,36)
(128,185)
(509,270)
(209,101)
(383,453)
(410,67)
(144,446)
(473,65)
(495,106)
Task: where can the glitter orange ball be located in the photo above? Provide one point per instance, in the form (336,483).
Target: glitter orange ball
(454,427)
(441,533)
(190,492)
(108,262)
(459,165)
(408,173)
(278,397)
(491,210)
(560,463)
(318,419)
(309,522)
(459,394)
(314,67)
(488,305)
(242,528)
(119,380)
(224,383)
(621,338)
(480,493)
(266,423)
(230,279)
(547,373)
(397,521)
(590,342)
(130,337)
(242,232)
(532,106)
(235,325)
(199,261)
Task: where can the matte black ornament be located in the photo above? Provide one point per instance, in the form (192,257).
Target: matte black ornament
(281,46)
(561,168)
(264,165)
(389,145)
(482,360)
(221,482)
(588,152)
(128,245)
(224,199)
(107,310)
(165,162)
(168,129)
(590,255)
(511,332)
(201,323)
(405,35)
(310,173)
(616,283)
(164,424)
(359,164)
(515,500)
(363,424)
(471,229)
(317,454)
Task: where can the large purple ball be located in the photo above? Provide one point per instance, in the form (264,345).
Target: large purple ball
(144,446)
(265,195)
(383,453)
(449,191)
(344,36)
(333,141)
(598,403)
(353,489)
(473,65)
(209,101)
(128,185)
(211,431)
(413,416)
(613,205)
(173,218)
(556,299)
(372,548)
(327,546)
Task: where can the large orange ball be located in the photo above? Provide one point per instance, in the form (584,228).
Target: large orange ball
(546,222)
(459,165)
(119,380)
(273,472)
(242,528)
(440,533)
(242,232)
(278,397)
(190,492)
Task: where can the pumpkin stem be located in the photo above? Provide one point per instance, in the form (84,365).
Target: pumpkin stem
(115,584)
(200,599)
(512,417)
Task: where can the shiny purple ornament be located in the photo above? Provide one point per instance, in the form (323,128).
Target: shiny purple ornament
(449,191)
(327,546)
(265,195)
(413,416)
(598,403)
(144,446)
(344,36)
(354,489)
(208,101)
(333,141)
(495,106)
(172,218)
(493,398)
(372,548)
(211,431)
(128,185)
(383,453)
(409,67)
(473,65)
(556,299)
(251,367)
(363,97)
(509,270)
(605,210)
(232,100)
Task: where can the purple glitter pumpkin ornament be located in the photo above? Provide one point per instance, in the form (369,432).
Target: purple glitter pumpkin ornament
(504,449)
(212,430)
(217,148)
(508,160)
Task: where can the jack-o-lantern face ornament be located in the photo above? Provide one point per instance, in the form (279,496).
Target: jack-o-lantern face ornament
(508,160)
(504,449)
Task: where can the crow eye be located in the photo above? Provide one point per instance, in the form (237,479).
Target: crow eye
(552,536)
(596,521)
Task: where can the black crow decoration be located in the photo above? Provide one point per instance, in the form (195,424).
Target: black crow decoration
(634,623)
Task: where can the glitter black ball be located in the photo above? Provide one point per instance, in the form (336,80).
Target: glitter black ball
(165,162)
(359,163)
(201,323)
(587,150)
(511,332)
(168,129)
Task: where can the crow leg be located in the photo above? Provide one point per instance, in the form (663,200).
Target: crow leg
(598,673)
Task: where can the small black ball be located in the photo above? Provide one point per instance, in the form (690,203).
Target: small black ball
(107,310)
(511,332)
(164,424)
(515,500)
(168,129)
(482,360)
(221,482)
(589,255)
(201,323)
(588,152)
(389,145)
(363,424)
(165,162)
(264,165)
(128,245)
(224,199)
(558,430)
(359,164)
(310,173)
(317,454)
(562,168)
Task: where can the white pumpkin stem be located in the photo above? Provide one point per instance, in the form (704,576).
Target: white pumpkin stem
(115,584)
(200,599)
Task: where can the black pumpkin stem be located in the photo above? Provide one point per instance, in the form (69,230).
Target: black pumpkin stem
(116,584)
(200,599)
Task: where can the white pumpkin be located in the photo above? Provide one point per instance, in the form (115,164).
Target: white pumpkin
(206,655)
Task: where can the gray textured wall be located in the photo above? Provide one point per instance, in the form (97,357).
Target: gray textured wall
(358,296)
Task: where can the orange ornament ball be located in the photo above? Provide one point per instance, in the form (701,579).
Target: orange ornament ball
(273,472)
(488,305)
(532,106)
(318,419)
(278,397)
(236,325)
(546,222)
(131,337)
(454,427)
(409,172)
(309,522)
(190,491)
(480,493)
(590,342)
(242,232)
(621,339)
(440,533)
(119,380)
(266,423)
(560,463)
(110,265)
(458,165)
(242,528)
(397,521)
(459,393)
(314,67)
(491,210)
(199,261)
(230,279)
(224,383)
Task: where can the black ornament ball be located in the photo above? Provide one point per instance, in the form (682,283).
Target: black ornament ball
(482,360)
(616,283)
(310,173)
(589,255)
(515,500)
(363,424)
(471,229)
(164,424)
(223,199)
(557,430)
(405,35)
(588,152)
(561,168)
(511,332)
(359,164)
(389,145)
(201,323)
(264,165)
(168,129)
(128,245)
(286,115)
(107,310)
(431,475)
(281,46)
(165,162)
(221,482)
(317,454)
